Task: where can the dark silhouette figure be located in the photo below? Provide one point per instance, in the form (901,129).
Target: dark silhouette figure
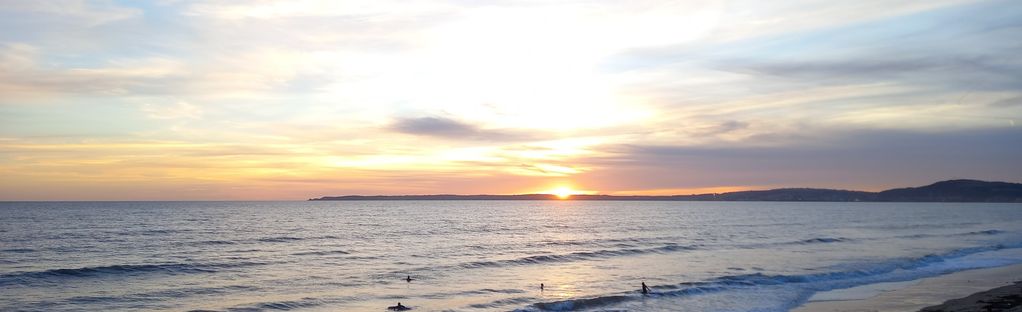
(408,279)
(398,307)
(540,286)
(645,290)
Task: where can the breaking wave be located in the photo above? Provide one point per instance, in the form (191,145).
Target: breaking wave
(115,270)
(901,269)
(576,256)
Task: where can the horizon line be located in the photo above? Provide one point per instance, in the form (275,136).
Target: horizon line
(555,196)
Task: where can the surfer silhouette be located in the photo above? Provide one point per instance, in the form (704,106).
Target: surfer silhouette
(540,286)
(408,279)
(398,307)
(645,290)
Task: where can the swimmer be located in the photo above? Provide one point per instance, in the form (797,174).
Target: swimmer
(398,307)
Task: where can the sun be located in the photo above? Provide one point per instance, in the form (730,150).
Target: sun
(562,192)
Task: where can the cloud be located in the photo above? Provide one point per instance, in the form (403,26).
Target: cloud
(24,73)
(77,12)
(944,48)
(1008,102)
(855,159)
(947,73)
(282,9)
(179,110)
(930,67)
(448,128)
(27,72)
(18,57)
(718,128)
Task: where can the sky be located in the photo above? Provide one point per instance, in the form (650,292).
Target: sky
(281,100)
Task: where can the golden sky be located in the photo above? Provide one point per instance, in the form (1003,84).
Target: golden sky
(264,100)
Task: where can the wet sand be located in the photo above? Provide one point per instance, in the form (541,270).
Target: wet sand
(972,290)
(1005,298)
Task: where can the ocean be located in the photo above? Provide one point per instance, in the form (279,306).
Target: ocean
(481,255)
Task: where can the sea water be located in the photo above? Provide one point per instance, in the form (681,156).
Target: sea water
(481,255)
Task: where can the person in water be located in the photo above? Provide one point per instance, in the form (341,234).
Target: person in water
(408,279)
(540,286)
(645,290)
(399,307)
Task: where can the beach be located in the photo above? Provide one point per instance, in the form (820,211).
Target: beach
(956,292)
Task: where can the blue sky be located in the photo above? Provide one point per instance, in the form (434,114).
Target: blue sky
(296,99)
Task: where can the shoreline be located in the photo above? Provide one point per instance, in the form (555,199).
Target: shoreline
(939,293)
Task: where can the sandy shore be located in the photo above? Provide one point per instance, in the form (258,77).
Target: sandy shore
(929,292)
(1005,298)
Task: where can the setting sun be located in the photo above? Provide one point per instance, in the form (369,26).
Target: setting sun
(562,192)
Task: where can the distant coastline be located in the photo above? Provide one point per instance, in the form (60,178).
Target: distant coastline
(944,191)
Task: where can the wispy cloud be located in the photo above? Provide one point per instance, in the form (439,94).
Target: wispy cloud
(70,12)
(841,159)
(453,129)
(177,110)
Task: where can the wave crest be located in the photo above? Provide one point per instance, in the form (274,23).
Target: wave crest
(576,256)
(115,270)
(811,282)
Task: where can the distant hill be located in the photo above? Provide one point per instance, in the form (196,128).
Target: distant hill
(506,197)
(956,191)
(944,191)
(798,194)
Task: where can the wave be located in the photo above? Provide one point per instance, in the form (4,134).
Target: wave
(578,304)
(304,303)
(894,270)
(828,240)
(484,291)
(809,241)
(987,232)
(285,239)
(274,239)
(683,289)
(160,295)
(502,302)
(280,239)
(289,305)
(973,233)
(321,253)
(576,256)
(283,305)
(625,249)
(622,247)
(194,291)
(116,270)
(609,241)
(824,240)
(18,250)
(757,279)
(216,242)
(152,232)
(555,258)
(917,226)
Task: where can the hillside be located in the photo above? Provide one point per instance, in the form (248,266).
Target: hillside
(956,191)
(944,191)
